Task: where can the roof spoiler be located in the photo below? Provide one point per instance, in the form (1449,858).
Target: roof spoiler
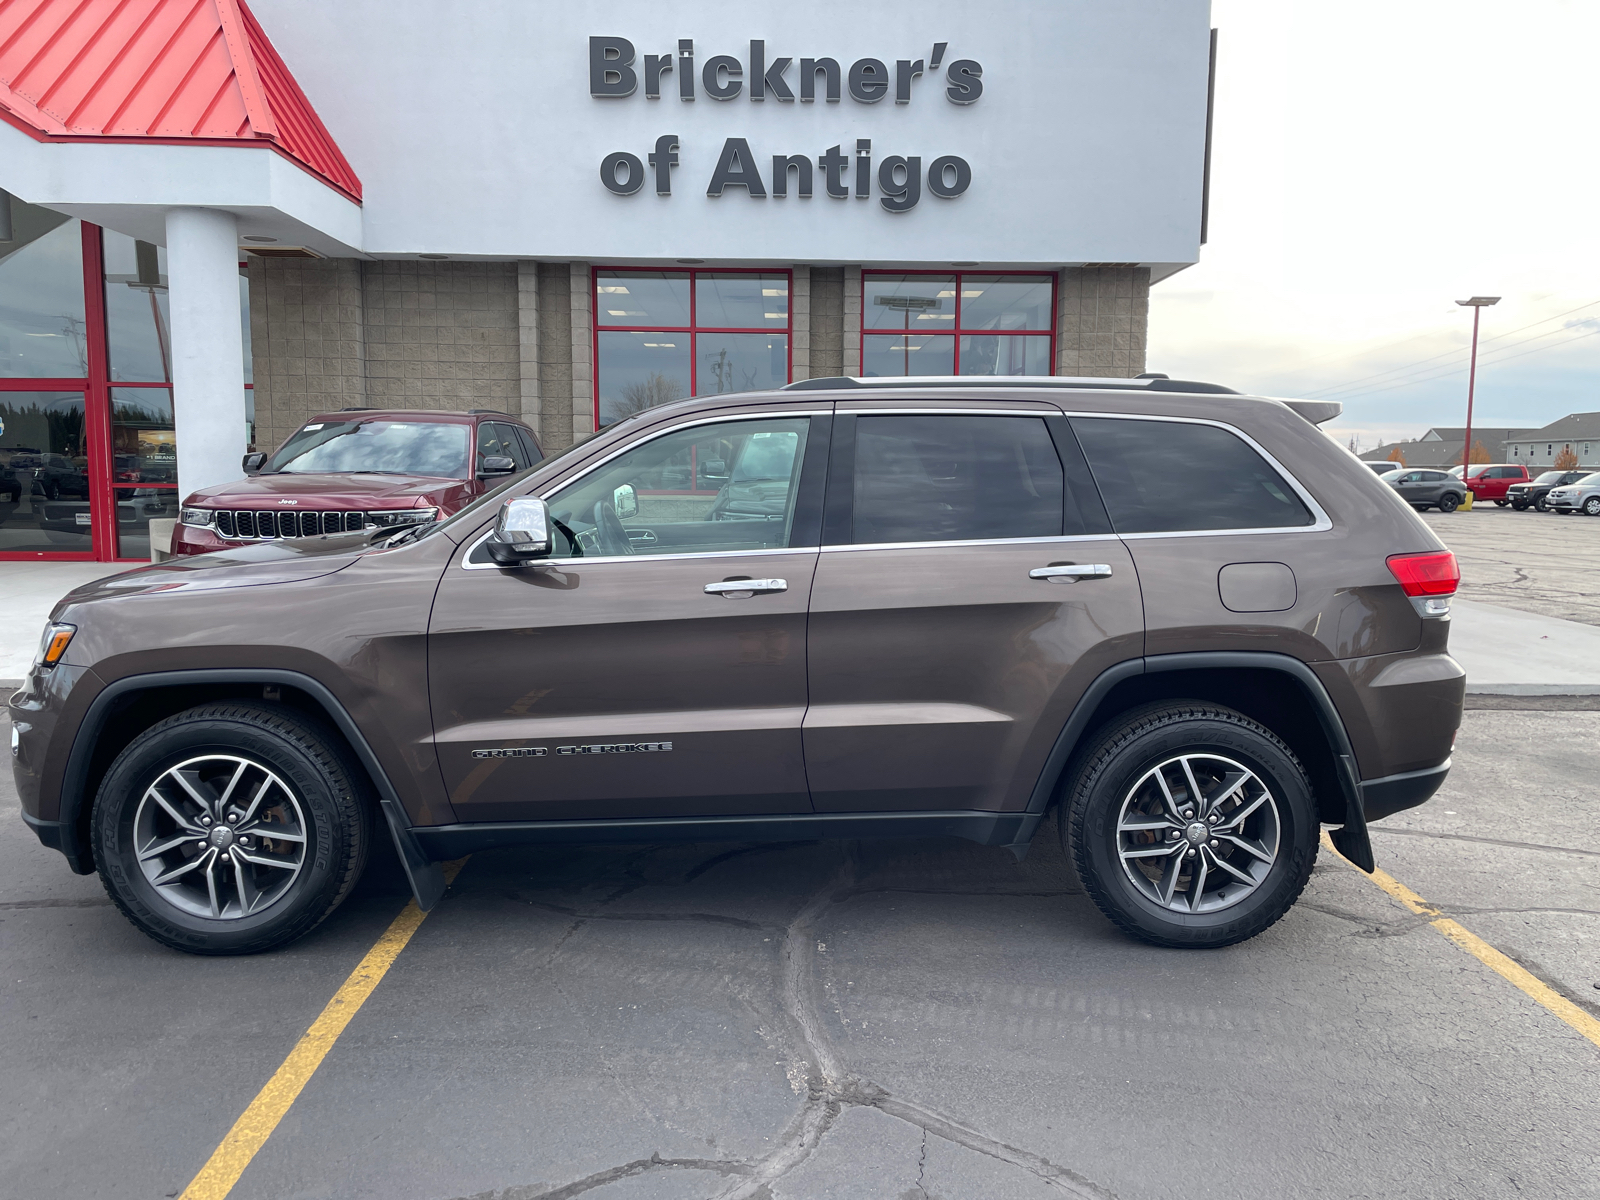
(1318,412)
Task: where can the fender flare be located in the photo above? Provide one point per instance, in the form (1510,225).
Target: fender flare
(1351,839)
(425,876)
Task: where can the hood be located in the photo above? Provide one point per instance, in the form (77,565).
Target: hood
(353,490)
(251,565)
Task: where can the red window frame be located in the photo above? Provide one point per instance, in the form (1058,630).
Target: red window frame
(96,388)
(693,328)
(958,332)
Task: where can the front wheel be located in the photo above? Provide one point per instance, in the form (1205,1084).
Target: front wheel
(230,828)
(1591,507)
(1449,502)
(1191,825)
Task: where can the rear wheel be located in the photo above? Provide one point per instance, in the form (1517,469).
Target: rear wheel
(230,828)
(1449,502)
(1191,825)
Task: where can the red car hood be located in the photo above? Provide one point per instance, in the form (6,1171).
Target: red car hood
(357,490)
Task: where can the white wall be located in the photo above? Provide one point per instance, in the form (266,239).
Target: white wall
(473,130)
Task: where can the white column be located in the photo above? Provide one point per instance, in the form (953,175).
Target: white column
(207,346)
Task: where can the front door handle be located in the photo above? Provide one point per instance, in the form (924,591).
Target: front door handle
(740,589)
(1072,572)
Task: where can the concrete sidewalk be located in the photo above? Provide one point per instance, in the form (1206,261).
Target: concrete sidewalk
(1506,652)
(28,591)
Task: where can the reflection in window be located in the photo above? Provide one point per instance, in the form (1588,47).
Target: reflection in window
(44,473)
(942,319)
(42,330)
(709,347)
(138,324)
(144,443)
(432,448)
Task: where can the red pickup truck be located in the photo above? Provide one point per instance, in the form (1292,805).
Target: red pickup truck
(1489,481)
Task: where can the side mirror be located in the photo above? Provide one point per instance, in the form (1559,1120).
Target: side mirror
(495,464)
(626,501)
(253,463)
(521,532)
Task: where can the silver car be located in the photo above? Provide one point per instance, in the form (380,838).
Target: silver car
(1426,488)
(1583,496)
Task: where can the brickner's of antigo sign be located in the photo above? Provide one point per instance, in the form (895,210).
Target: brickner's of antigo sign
(614,75)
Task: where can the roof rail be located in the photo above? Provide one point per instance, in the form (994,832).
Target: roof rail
(359,408)
(486,412)
(1072,383)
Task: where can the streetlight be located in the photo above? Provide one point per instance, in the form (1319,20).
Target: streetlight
(1477,304)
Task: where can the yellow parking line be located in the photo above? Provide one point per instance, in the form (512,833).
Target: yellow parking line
(251,1131)
(1481,950)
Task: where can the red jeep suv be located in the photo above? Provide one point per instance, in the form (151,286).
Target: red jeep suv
(359,469)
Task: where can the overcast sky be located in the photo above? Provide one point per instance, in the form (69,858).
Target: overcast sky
(1374,161)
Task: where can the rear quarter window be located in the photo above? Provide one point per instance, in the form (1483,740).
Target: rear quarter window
(1180,477)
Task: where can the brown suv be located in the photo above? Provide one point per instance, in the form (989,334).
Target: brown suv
(1184,617)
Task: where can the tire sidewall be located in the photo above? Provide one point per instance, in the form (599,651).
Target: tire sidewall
(1109,785)
(171,742)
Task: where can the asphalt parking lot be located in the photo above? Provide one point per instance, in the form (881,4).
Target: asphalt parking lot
(1539,562)
(924,1020)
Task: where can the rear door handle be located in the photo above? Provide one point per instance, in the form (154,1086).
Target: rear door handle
(1072,572)
(739,589)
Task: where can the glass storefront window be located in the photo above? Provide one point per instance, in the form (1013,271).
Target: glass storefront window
(702,337)
(941,318)
(741,301)
(136,508)
(43,334)
(144,440)
(138,327)
(44,473)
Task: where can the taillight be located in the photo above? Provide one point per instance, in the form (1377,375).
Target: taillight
(1433,574)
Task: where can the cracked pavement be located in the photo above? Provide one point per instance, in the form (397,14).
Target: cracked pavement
(893,1020)
(1538,562)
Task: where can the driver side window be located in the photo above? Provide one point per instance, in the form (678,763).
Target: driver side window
(697,490)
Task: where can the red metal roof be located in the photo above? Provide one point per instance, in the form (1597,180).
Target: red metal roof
(158,70)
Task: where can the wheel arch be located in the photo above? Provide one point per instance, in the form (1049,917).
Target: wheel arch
(1279,691)
(127,706)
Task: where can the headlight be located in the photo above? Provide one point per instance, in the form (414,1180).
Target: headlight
(395,518)
(53,644)
(199,516)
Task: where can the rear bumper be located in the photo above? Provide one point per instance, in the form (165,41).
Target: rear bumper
(1395,793)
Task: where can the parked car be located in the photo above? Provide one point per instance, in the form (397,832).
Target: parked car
(1535,493)
(1582,496)
(1489,481)
(358,470)
(913,608)
(60,475)
(1383,468)
(1427,489)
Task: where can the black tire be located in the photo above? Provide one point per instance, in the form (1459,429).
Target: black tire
(1109,771)
(1541,504)
(1449,502)
(1591,507)
(327,792)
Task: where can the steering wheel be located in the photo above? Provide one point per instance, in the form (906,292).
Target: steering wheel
(608,530)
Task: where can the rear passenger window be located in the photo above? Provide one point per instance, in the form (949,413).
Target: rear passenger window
(956,478)
(1178,477)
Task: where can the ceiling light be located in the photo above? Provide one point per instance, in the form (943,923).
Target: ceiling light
(691,260)
(433,256)
(258,237)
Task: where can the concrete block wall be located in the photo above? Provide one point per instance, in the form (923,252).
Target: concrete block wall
(1102,319)
(518,336)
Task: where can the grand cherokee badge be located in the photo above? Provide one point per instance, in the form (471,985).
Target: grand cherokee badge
(607,748)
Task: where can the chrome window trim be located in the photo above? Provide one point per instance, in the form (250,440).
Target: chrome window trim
(1033,541)
(621,450)
(623,558)
(947,412)
(1321,523)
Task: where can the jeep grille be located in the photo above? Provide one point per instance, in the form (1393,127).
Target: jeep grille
(250,523)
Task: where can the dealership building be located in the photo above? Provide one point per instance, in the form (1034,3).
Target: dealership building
(218,220)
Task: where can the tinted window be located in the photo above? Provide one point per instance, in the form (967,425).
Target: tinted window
(530,445)
(704,489)
(1170,476)
(957,478)
(1433,476)
(511,445)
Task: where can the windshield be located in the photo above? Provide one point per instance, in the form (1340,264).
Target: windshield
(1550,477)
(380,447)
(1590,480)
(768,455)
(494,495)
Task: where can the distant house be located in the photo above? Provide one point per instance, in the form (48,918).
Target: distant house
(1441,446)
(1578,432)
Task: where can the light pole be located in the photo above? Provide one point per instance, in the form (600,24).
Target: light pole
(1477,304)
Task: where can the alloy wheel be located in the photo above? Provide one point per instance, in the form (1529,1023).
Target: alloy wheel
(220,836)
(1198,833)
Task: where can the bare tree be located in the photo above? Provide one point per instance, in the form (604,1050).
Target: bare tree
(636,397)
